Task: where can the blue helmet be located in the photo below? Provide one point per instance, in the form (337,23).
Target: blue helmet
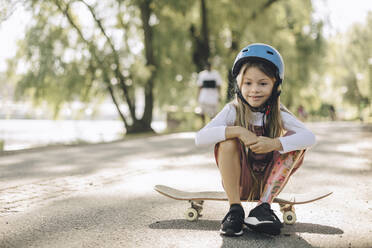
(259,51)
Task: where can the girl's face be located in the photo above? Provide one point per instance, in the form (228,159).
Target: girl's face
(256,86)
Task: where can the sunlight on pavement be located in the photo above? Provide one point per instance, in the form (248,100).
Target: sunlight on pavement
(355,147)
(183,135)
(60,168)
(171,161)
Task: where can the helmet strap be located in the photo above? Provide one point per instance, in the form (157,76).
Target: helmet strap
(254,109)
(267,106)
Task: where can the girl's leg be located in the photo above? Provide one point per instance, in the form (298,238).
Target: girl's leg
(262,218)
(229,166)
(279,176)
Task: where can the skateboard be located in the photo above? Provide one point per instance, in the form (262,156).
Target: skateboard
(286,201)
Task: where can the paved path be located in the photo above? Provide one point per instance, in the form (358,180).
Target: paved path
(102,196)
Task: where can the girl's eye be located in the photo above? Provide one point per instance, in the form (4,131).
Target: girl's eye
(263,83)
(247,83)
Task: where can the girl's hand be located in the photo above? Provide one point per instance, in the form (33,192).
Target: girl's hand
(247,137)
(265,145)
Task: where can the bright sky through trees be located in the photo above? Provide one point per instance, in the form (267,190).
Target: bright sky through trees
(341,14)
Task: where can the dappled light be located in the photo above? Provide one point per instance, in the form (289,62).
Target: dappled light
(102,100)
(97,193)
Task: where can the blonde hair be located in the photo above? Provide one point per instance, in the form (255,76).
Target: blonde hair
(273,123)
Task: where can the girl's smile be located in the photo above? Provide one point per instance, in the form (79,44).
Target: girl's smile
(256,87)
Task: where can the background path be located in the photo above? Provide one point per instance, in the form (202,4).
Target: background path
(102,196)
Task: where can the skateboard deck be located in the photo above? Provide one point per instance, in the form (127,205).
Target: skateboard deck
(285,200)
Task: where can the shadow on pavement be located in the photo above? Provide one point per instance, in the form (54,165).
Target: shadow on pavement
(311,228)
(288,238)
(253,240)
(204,225)
(84,160)
(214,225)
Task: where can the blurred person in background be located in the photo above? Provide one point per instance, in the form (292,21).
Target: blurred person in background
(209,83)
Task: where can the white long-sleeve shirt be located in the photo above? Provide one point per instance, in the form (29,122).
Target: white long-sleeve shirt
(214,131)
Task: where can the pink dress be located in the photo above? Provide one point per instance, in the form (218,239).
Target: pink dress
(256,168)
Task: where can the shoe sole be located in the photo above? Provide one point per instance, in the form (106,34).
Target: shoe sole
(231,233)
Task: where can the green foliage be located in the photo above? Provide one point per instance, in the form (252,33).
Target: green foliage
(61,65)
(351,71)
(57,66)
(51,74)
(286,25)
(7,7)
(173,51)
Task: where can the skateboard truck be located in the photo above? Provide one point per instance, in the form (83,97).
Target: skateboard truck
(194,212)
(289,214)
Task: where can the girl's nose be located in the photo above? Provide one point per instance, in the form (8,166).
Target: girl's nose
(254,88)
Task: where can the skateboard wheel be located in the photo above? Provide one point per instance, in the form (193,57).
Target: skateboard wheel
(191,214)
(289,217)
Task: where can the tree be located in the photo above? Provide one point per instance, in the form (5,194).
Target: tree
(350,55)
(126,49)
(7,7)
(97,62)
(286,25)
(201,51)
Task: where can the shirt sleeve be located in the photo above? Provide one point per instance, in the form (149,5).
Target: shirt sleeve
(214,131)
(299,136)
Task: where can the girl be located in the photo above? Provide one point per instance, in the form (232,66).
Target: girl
(259,143)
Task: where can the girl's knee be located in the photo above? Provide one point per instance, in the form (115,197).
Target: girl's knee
(229,145)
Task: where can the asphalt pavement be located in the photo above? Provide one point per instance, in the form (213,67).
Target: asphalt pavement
(102,195)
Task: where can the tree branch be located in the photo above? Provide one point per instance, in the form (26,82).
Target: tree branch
(118,73)
(92,49)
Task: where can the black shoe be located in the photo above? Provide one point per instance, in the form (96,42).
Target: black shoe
(232,224)
(263,219)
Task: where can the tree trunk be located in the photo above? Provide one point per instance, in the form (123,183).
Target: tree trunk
(201,49)
(205,33)
(144,124)
(234,49)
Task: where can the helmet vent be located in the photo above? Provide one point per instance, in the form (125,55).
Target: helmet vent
(245,50)
(270,52)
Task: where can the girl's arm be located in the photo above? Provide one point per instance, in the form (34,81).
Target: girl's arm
(222,128)
(246,136)
(301,138)
(266,144)
(215,130)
